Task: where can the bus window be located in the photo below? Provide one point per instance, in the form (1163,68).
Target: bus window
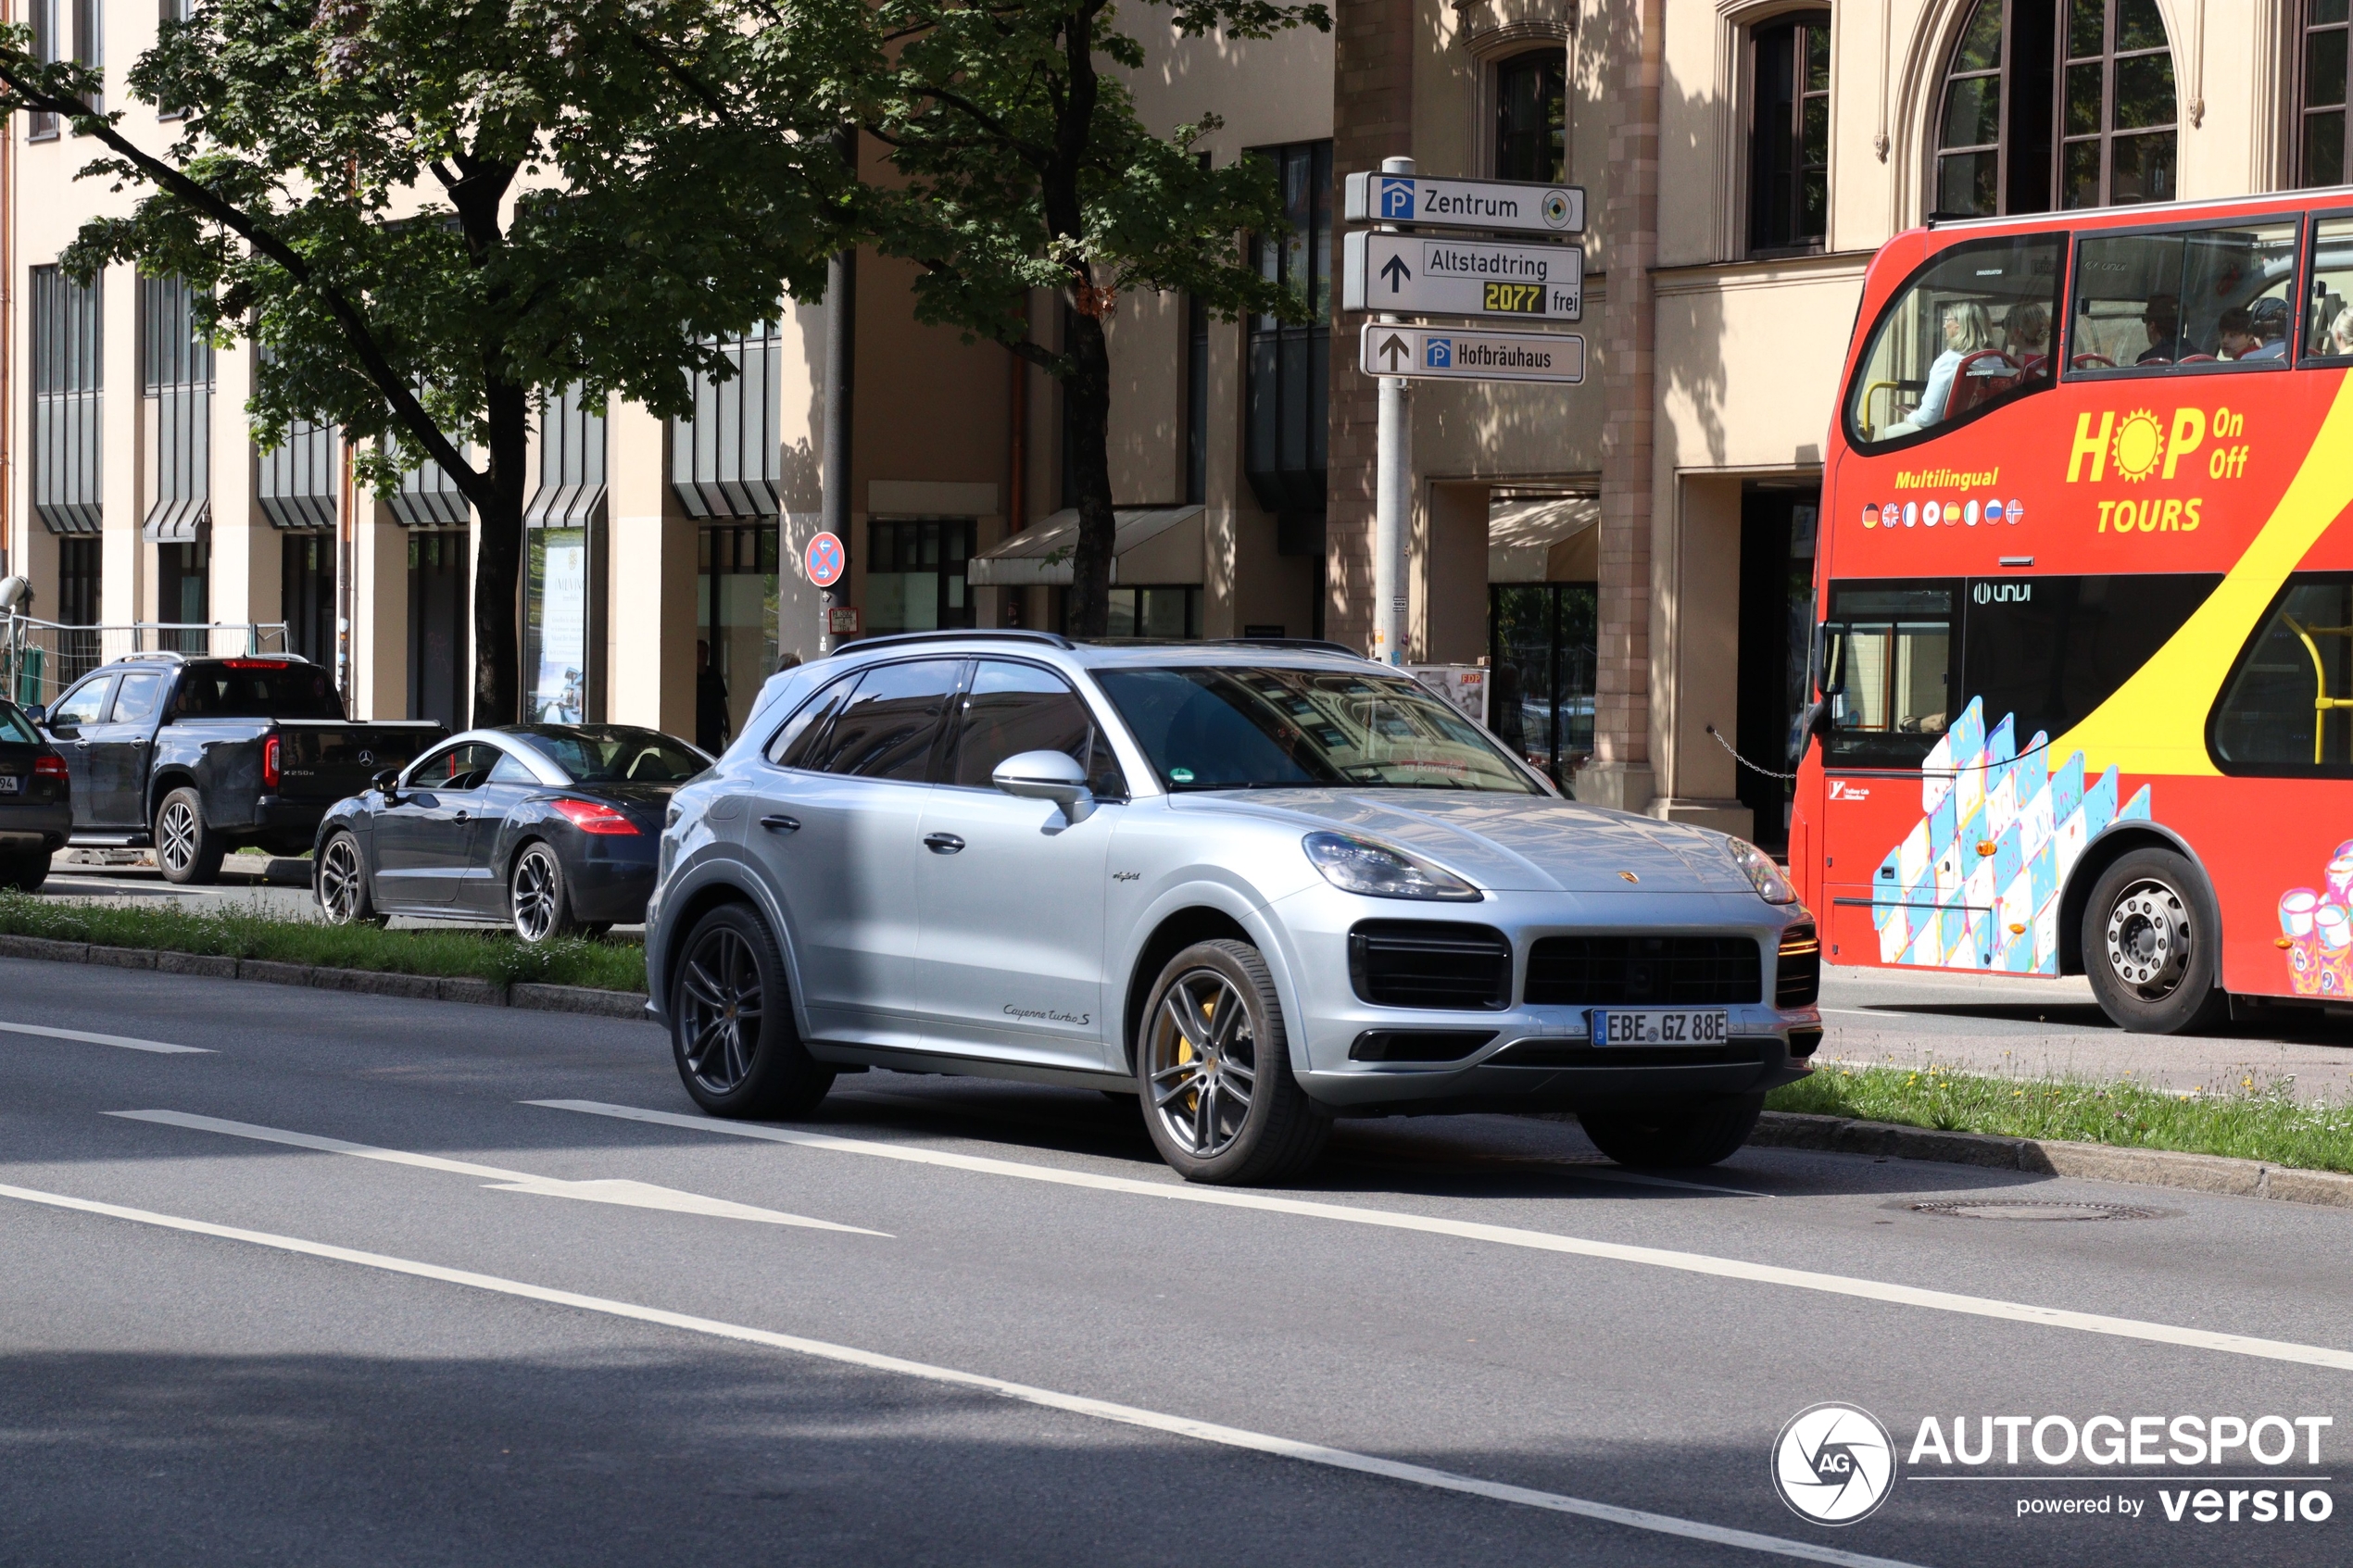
(2288,710)
(2206,297)
(2048,650)
(1970,332)
(2329,322)
(1887,672)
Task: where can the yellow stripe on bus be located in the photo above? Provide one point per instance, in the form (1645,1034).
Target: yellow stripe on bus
(2155,723)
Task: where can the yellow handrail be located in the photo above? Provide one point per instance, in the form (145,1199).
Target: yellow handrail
(2321,702)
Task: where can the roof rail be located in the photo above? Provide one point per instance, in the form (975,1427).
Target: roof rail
(1300,644)
(159,656)
(982,633)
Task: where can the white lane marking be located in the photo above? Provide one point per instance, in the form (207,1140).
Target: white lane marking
(635,1195)
(1075,1404)
(160,1048)
(1542,1241)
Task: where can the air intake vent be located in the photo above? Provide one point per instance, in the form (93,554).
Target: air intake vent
(1406,963)
(1797,974)
(1645,971)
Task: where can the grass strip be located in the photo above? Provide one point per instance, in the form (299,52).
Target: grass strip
(455,954)
(2242,1118)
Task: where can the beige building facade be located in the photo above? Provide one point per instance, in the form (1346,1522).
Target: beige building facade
(1632,554)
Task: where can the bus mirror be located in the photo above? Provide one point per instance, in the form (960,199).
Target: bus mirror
(1813,719)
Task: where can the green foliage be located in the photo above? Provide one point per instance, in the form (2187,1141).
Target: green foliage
(2240,1116)
(494,956)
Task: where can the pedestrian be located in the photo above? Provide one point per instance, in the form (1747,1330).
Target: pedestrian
(711,703)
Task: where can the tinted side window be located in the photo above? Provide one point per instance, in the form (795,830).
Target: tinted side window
(81,706)
(135,699)
(510,770)
(2329,323)
(2208,297)
(1970,330)
(805,731)
(1889,671)
(1013,709)
(463,766)
(2049,650)
(888,728)
(2288,710)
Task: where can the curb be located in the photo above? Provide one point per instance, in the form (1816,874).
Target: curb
(578,1000)
(2089,1162)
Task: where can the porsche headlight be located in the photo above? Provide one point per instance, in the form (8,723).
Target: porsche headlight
(1765,876)
(1359,865)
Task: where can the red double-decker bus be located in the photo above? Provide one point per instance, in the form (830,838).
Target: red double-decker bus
(2086,593)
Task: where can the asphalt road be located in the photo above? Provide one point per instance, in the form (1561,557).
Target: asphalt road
(500,1331)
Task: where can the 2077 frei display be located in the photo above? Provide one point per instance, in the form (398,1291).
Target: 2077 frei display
(2085,654)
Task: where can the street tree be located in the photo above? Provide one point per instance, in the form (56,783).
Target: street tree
(1018,163)
(432,216)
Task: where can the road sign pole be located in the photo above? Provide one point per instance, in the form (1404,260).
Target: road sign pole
(1393,494)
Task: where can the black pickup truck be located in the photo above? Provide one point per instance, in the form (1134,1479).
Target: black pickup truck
(195,756)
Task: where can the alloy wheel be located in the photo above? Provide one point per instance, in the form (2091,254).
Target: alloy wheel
(1204,1062)
(2148,939)
(339,881)
(535,895)
(721,1003)
(176,837)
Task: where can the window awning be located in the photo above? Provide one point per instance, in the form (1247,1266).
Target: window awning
(1155,544)
(177,521)
(1547,541)
(564,505)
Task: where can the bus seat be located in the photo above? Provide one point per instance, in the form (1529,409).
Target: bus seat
(1978,378)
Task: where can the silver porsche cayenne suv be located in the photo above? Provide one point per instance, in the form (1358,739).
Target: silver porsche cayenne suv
(1258,886)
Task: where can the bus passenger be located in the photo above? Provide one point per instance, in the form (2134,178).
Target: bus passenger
(2269,318)
(1967,330)
(2340,333)
(2162,320)
(2235,334)
(2029,335)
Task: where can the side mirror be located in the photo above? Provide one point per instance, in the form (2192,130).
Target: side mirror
(1047,775)
(387,783)
(38,713)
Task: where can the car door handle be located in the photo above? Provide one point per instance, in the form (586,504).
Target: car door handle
(943,843)
(460,817)
(781,824)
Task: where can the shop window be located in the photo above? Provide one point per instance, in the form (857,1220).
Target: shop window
(1789,144)
(1967,333)
(183,595)
(1169,614)
(1288,365)
(68,384)
(1542,639)
(915,574)
(2204,299)
(563,583)
(2287,709)
(735,627)
(2057,104)
(440,611)
(2320,77)
(1531,116)
(307,590)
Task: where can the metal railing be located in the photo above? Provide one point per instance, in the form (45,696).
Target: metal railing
(40,659)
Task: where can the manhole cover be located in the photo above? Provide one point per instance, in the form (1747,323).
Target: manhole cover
(2028,1209)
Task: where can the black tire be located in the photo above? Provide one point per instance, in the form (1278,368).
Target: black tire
(539,896)
(1682,1134)
(340,884)
(25,872)
(2152,945)
(1279,1131)
(187,851)
(731,958)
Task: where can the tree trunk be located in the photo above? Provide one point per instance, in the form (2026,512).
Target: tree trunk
(498,687)
(1087,395)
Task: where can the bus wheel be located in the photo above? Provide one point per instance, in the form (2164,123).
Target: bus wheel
(2151,944)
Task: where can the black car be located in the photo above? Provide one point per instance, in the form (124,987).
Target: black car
(36,801)
(554,827)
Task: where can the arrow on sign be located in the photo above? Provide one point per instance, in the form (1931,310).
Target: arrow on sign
(1396,271)
(1396,348)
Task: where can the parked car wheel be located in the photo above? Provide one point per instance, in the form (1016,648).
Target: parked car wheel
(342,884)
(25,872)
(186,850)
(2151,944)
(1214,1069)
(537,900)
(731,1022)
(1683,1133)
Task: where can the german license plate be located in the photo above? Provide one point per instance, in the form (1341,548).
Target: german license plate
(1660,1027)
(11,785)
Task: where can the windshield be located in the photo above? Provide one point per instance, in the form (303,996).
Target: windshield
(611,754)
(13,727)
(1970,331)
(237,688)
(1288,729)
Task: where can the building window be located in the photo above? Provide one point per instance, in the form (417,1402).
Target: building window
(2321,145)
(1289,366)
(724,459)
(1532,117)
(47,40)
(307,595)
(564,527)
(2057,104)
(1196,401)
(440,676)
(1789,144)
(735,627)
(183,595)
(1164,614)
(175,375)
(915,574)
(171,13)
(1541,643)
(67,385)
(80,580)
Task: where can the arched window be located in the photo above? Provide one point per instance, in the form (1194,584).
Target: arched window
(2057,104)
(1531,116)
